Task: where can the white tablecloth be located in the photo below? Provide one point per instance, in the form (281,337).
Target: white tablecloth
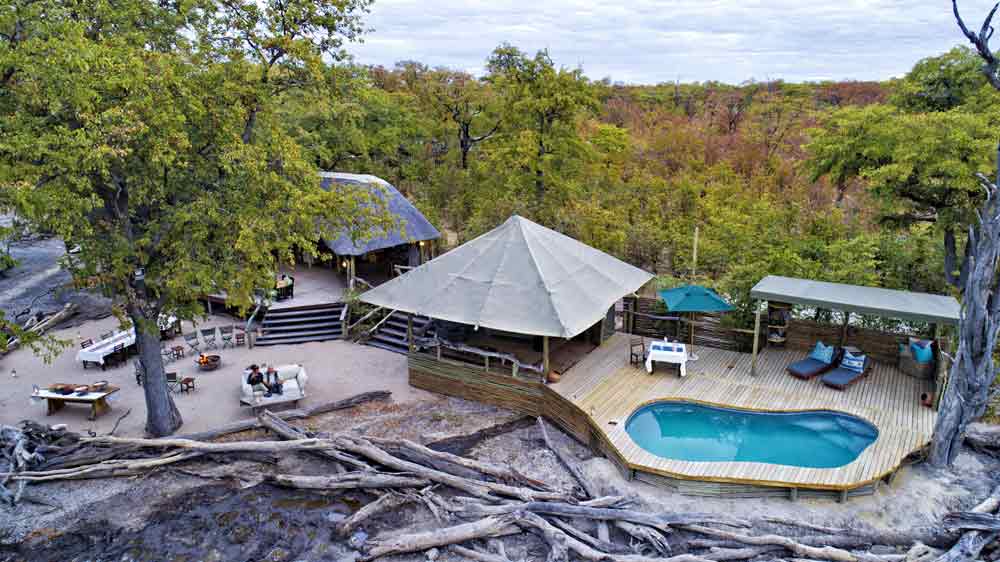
(667,352)
(101,349)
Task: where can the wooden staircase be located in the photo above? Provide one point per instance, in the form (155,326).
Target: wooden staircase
(391,333)
(301,324)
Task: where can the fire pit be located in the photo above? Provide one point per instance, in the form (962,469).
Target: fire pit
(208,362)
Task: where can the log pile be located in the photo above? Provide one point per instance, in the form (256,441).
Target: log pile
(474,504)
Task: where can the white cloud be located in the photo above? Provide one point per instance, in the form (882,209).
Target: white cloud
(652,41)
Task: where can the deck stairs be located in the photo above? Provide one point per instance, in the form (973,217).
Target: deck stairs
(301,324)
(391,333)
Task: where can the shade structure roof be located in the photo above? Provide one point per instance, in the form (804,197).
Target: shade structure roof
(694,298)
(412,225)
(519,277)
(905,305)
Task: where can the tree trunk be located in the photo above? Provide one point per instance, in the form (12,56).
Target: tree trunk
(967,393)
(162,416)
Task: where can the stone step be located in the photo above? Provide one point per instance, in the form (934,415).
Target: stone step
(296,340)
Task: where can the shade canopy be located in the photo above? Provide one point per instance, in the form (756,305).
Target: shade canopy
(519,277)
(905,305)
(411,224)
(694,298)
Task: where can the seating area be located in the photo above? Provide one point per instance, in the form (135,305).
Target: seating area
(205,339)
(292,379)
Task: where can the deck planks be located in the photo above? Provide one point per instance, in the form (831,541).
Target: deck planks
(607,389)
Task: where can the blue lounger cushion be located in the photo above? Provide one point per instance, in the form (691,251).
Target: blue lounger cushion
(807,368)
(840,378)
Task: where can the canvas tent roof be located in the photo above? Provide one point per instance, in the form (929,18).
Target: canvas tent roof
(921,307)
(413,226)
(519,277)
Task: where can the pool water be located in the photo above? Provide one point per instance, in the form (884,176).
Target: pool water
(694,432)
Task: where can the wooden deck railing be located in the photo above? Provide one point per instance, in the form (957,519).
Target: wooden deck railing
(516,366)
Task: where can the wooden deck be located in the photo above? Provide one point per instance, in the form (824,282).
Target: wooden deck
(607,390)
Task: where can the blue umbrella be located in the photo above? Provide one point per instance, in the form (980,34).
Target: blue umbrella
(694,298)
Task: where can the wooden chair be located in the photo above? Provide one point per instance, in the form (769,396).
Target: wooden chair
(208,334)
(241,338)
(187,384)
(167,353)
(226,332)
(84,345)
(117,356)
(637,350)
(192,341)
(173,382)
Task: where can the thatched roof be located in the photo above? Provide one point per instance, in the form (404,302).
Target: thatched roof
(413,226)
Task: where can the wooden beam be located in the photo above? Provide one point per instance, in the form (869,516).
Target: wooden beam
(545,357)
(409,331)
(756,344)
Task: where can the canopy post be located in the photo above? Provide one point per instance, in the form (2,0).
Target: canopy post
(545,356)
(756,340)
(409,332)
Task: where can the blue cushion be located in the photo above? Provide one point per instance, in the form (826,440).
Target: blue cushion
(922,354)
(822,353)
(854,363)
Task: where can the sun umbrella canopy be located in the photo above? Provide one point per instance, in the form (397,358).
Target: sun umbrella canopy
(694,298)
(519,277)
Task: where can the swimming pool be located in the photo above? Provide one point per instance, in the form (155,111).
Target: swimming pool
(694,432)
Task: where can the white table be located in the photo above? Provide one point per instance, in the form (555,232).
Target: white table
(667,352)
(97,352)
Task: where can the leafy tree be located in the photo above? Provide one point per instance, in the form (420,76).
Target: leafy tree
(940,83)
(148,134)
(542,107)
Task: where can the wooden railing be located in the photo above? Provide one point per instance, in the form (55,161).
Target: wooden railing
(516,365)
(363,318)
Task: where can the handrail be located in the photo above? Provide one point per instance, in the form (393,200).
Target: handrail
(380,322)
(438,342)
(363,318)
(400,269)
(364,282)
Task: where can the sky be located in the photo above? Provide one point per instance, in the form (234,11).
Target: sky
(654,41)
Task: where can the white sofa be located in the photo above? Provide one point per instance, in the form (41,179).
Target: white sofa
(293,387)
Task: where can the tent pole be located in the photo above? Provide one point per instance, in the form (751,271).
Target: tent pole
(545,356)
(756,340)
(409,332)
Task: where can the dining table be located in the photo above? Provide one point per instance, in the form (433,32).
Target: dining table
(667,352)
(100,350)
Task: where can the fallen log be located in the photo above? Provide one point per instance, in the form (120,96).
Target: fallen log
(480,489)
(489,527)
(346,481)
(247,425)
(106,469)
(795,547)
(972,543)
(561,543)
(386,502)
(462,444)
(454,464)
(662,521)
(40,328)
(594,542)
(477,555)
(291,433)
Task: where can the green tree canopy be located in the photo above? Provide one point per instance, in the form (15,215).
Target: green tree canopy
(148,134)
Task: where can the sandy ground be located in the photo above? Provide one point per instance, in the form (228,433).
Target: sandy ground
(336,370)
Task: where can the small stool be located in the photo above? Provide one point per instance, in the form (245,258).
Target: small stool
(187,384)
(178,351)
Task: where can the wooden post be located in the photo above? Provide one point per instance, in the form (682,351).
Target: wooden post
(350,273)
(843,329)
(694,258)
(793,494)
(409,332)
(487,362)
(756,344)
(545,357)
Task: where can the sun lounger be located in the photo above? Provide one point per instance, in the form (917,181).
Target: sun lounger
(841,378)
(811,367)
(808,368)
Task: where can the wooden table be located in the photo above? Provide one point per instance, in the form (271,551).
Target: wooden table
(98,401)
